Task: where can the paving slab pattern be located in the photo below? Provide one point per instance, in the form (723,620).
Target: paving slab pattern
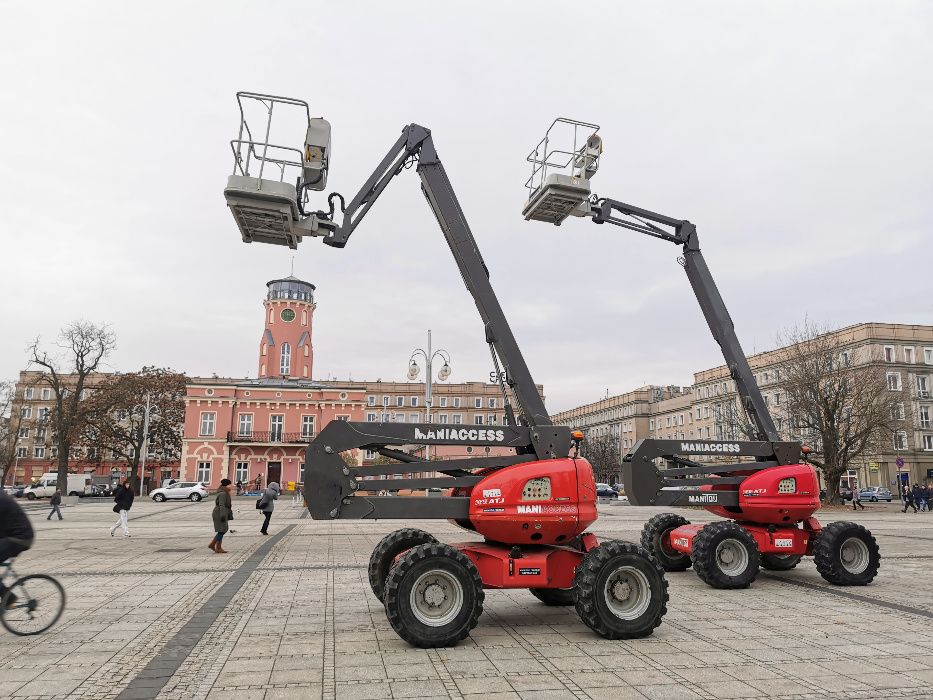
(158,615)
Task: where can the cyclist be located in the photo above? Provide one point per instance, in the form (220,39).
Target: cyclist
(16,533)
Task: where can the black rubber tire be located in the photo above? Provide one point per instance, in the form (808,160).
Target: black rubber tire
(653,535)
(404,575)
(74,493)
(194,498)
(827,550)
(9,617)
(590,583)
(779,562)
(705,563)
(159,498)
(385,553)
(31,496)
(553,596)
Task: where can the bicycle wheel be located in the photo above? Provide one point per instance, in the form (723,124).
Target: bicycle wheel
(32,604)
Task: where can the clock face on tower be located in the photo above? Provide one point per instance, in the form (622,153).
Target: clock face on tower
(287,315)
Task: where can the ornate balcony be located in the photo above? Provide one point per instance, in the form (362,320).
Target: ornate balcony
(269,437)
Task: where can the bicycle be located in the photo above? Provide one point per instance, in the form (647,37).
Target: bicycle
(31,604)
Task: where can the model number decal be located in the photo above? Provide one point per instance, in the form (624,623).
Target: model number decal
(681,541)
(783,543)
(492,493)
(704,498)
(529,572)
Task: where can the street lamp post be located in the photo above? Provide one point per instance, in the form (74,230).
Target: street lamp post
(414,370)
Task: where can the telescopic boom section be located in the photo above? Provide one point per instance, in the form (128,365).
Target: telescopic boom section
(704,287)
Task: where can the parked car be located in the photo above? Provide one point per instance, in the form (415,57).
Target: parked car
(16,490)
(619,488)
(101,490)
(845,493)
(191,490)
(875,493)
(606,491)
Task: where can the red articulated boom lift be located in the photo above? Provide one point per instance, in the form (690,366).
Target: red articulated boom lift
(532,508)
(768,503)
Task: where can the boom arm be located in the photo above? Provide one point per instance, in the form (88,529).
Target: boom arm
(331,486)
(704,287)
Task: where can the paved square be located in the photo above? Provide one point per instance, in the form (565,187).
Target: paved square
(292,616)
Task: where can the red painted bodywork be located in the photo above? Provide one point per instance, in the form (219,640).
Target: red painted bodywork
(760,502)
(783,539)
(499,512)
(538,567)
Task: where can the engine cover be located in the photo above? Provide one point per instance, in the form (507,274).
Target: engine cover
(776,496)
(544,502)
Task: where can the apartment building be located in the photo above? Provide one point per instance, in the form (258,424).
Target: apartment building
(709,408)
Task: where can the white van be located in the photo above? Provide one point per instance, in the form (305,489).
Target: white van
(47,484)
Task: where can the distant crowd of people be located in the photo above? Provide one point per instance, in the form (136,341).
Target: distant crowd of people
(918,497)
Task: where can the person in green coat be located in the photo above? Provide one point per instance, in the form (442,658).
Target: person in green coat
(222,515)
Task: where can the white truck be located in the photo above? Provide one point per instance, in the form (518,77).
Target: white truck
(47,484)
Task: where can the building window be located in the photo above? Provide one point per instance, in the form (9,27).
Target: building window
(27,393)
(844,358)
(442,418)
(477,403)
(492,403)
(370,400)
(39,452)
(21,452)
(651,423)
(204,472)
(371,454)
(276,427)
(24,432)
(897,411)
(478,419)
(307,426)
(443,402)
(44,414)
(285,359)
(924,416)
(493,419)
(922,388)
(928,442)
(399,400)
(26,412)
(40,433)
(909,355)
(241,472)
(900,440)
(207,423)
(46,394)
(457,418)
(385,401)
(414,402)
(889,353)
(456,402)
(894,381)
(245,428)
(370,417)
(342,418)
(928,356)
(399,417)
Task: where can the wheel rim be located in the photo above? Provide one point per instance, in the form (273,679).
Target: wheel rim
(732,557)
(627,593)
(436,598)
(666,548)
(854,555)
(36,608)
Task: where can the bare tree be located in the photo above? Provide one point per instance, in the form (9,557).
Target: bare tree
(604,453)
(838,403)
(81,348)
(11,420)
(114,418)
(732,421)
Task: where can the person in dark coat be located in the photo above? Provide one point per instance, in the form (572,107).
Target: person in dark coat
(222,515)
(56,503)
(908,497)
(267,505)
(16,534)
(123,500)
(239,486)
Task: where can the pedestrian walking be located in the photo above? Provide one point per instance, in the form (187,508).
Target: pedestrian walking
(257,483)
(123,500)
(924,502)
(908,497)
(856,499)
(267,504)
(239,486)
(222,515)
(55,503)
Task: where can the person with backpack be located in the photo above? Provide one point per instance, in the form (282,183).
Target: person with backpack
(267,504)
(123,500)
(16,533)
(222,515)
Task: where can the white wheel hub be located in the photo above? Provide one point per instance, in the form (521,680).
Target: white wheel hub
(627,593)
(436,598)
(854,555)
(732,557)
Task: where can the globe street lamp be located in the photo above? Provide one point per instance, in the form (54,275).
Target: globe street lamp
(442,374)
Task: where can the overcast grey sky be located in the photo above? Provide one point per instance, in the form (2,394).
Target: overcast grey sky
(798,136)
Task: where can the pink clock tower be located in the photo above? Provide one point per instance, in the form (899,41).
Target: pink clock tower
(285,350)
